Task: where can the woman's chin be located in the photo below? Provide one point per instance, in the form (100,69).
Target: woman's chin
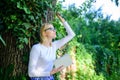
(54,37)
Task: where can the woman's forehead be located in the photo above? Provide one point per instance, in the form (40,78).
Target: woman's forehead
(48,26)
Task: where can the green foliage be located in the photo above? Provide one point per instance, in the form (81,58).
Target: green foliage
(85,62)
(97,39)
(59,28)
(100,37)
(1,28)
(8,71)
(1,39)
(23,18)
(115,76)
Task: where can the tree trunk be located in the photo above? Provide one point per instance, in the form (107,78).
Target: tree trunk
(10,54)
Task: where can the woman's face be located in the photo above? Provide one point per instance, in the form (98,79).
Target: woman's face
(50,31)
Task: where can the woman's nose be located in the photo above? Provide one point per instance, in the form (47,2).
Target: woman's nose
(54,30)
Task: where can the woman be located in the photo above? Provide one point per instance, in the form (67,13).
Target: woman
(43,54)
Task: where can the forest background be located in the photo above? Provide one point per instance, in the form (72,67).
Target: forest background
(95,49)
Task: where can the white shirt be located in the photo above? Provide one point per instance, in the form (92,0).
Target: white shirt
(42,57)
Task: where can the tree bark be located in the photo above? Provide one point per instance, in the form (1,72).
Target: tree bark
(10,54)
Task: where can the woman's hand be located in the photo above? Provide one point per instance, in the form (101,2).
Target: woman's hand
(55,70)
(59,16)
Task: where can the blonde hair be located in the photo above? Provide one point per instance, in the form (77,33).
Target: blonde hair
(42,30)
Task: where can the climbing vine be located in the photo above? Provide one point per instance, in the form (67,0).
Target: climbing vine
(24,17)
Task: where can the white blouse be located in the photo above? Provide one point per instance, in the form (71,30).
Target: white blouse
(41,57)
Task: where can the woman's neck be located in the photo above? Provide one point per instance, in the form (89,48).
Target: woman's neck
(47,43)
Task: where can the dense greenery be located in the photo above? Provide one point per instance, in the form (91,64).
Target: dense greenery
(101,39)
(23,18)
(97,40)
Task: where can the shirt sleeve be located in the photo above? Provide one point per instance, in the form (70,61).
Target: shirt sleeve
(70,35)
(33,71)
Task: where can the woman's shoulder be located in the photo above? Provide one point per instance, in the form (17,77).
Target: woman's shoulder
(37,45)
(35,49)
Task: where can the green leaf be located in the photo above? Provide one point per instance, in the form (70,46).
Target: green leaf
(13,17)
(2,41)
(27,11)
(21,46)
(24,7)
(24,78)
(18,5)
(25,40)
(27,25)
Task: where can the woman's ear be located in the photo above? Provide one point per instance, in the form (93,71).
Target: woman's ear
(43,34)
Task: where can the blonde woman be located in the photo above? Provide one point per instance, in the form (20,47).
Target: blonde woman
(43,54)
